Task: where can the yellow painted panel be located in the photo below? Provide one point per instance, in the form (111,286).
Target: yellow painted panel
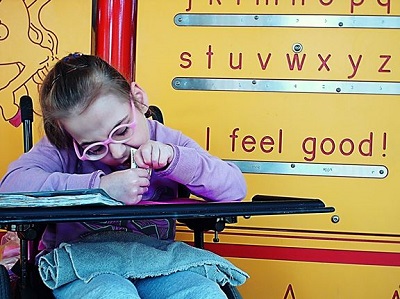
(290,280)
(347,129)
(33,34)
(309,264)
(333,128)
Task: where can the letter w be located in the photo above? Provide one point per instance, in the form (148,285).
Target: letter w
(295,61)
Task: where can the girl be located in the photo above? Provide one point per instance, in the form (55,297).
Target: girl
(92,118)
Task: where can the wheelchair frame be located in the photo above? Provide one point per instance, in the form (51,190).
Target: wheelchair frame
(200,217)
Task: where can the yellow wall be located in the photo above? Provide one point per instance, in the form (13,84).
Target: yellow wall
(344,101)
(33,35)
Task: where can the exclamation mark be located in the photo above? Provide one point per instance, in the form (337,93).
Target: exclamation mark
(208,139)
(384,143)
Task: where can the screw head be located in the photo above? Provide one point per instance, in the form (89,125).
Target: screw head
(297,48)
(335,218)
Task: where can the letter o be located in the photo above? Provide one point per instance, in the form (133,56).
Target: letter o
(346,140)
(322,147)
(326,3)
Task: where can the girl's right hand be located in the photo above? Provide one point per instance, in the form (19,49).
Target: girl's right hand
(126,186)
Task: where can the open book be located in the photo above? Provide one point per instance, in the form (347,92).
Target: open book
(57,198)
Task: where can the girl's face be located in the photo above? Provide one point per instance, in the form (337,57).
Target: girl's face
(100,118)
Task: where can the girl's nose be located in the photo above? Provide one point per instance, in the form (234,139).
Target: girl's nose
(117,150)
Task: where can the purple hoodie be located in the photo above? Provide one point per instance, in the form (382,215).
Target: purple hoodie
(45,168)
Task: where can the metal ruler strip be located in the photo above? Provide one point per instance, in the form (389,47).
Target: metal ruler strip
(264,20)
(277,85)
(312,169)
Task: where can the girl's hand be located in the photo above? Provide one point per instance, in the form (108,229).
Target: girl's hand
(126,186)
(154,155)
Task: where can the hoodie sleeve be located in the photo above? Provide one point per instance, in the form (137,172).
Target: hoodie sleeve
(45,168)
(204,175)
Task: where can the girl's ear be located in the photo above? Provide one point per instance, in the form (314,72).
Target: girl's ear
(140,96)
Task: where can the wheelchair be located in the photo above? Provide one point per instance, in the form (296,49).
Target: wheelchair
(199,219)
(26,282)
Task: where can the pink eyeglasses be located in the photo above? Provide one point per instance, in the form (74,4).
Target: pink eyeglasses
(99,150)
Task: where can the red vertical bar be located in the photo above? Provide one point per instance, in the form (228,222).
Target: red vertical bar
(115,34)
(103,25)
(133,38)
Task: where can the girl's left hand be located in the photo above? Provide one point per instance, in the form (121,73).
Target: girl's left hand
(154,155)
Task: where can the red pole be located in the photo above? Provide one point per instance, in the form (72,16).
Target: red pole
(133,37)
(115,34)
(103,25)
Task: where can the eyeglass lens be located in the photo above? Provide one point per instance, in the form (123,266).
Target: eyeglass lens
(120,134)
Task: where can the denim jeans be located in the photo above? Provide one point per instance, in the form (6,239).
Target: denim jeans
(179,285)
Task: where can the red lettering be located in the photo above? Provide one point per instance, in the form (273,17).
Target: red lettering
(324,62)
(302,2)
(264,64)
(384,141)
(185,56)
(189,8)
(234,136)
(280,140)
(218,1)
(267,141)
(346,146)
(367,142)
(209,54)
(248,140)
(353,4)
(327,140)
(266,2)
(354,65)
(296,61)
(326,3)
(341,147)
(208,138)
(387,4)
(309,151)
(382,68)
(239,65)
